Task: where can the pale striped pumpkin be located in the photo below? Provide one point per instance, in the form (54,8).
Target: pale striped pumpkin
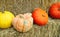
(23,22)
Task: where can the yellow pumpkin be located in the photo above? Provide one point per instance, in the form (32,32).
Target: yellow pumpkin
(23,22)
(6,18)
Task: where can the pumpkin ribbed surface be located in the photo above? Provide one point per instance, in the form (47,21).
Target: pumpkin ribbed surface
(23,22)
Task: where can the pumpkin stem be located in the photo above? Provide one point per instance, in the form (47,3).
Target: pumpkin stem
(59,9)
(21,17)
(43,15)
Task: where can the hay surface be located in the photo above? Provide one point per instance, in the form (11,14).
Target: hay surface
(52,29)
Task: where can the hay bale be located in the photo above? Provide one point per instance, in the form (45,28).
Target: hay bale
(24,6)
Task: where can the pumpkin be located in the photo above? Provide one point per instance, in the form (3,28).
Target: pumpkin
(54,10)
(23,22)
(40,17)
(6,18)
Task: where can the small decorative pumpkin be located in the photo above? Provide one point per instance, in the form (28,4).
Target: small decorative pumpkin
(23,22)
(40,17)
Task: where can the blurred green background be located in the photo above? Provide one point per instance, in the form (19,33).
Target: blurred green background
(52,29)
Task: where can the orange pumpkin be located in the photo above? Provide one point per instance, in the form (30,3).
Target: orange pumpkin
(40,17)
(23,22)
